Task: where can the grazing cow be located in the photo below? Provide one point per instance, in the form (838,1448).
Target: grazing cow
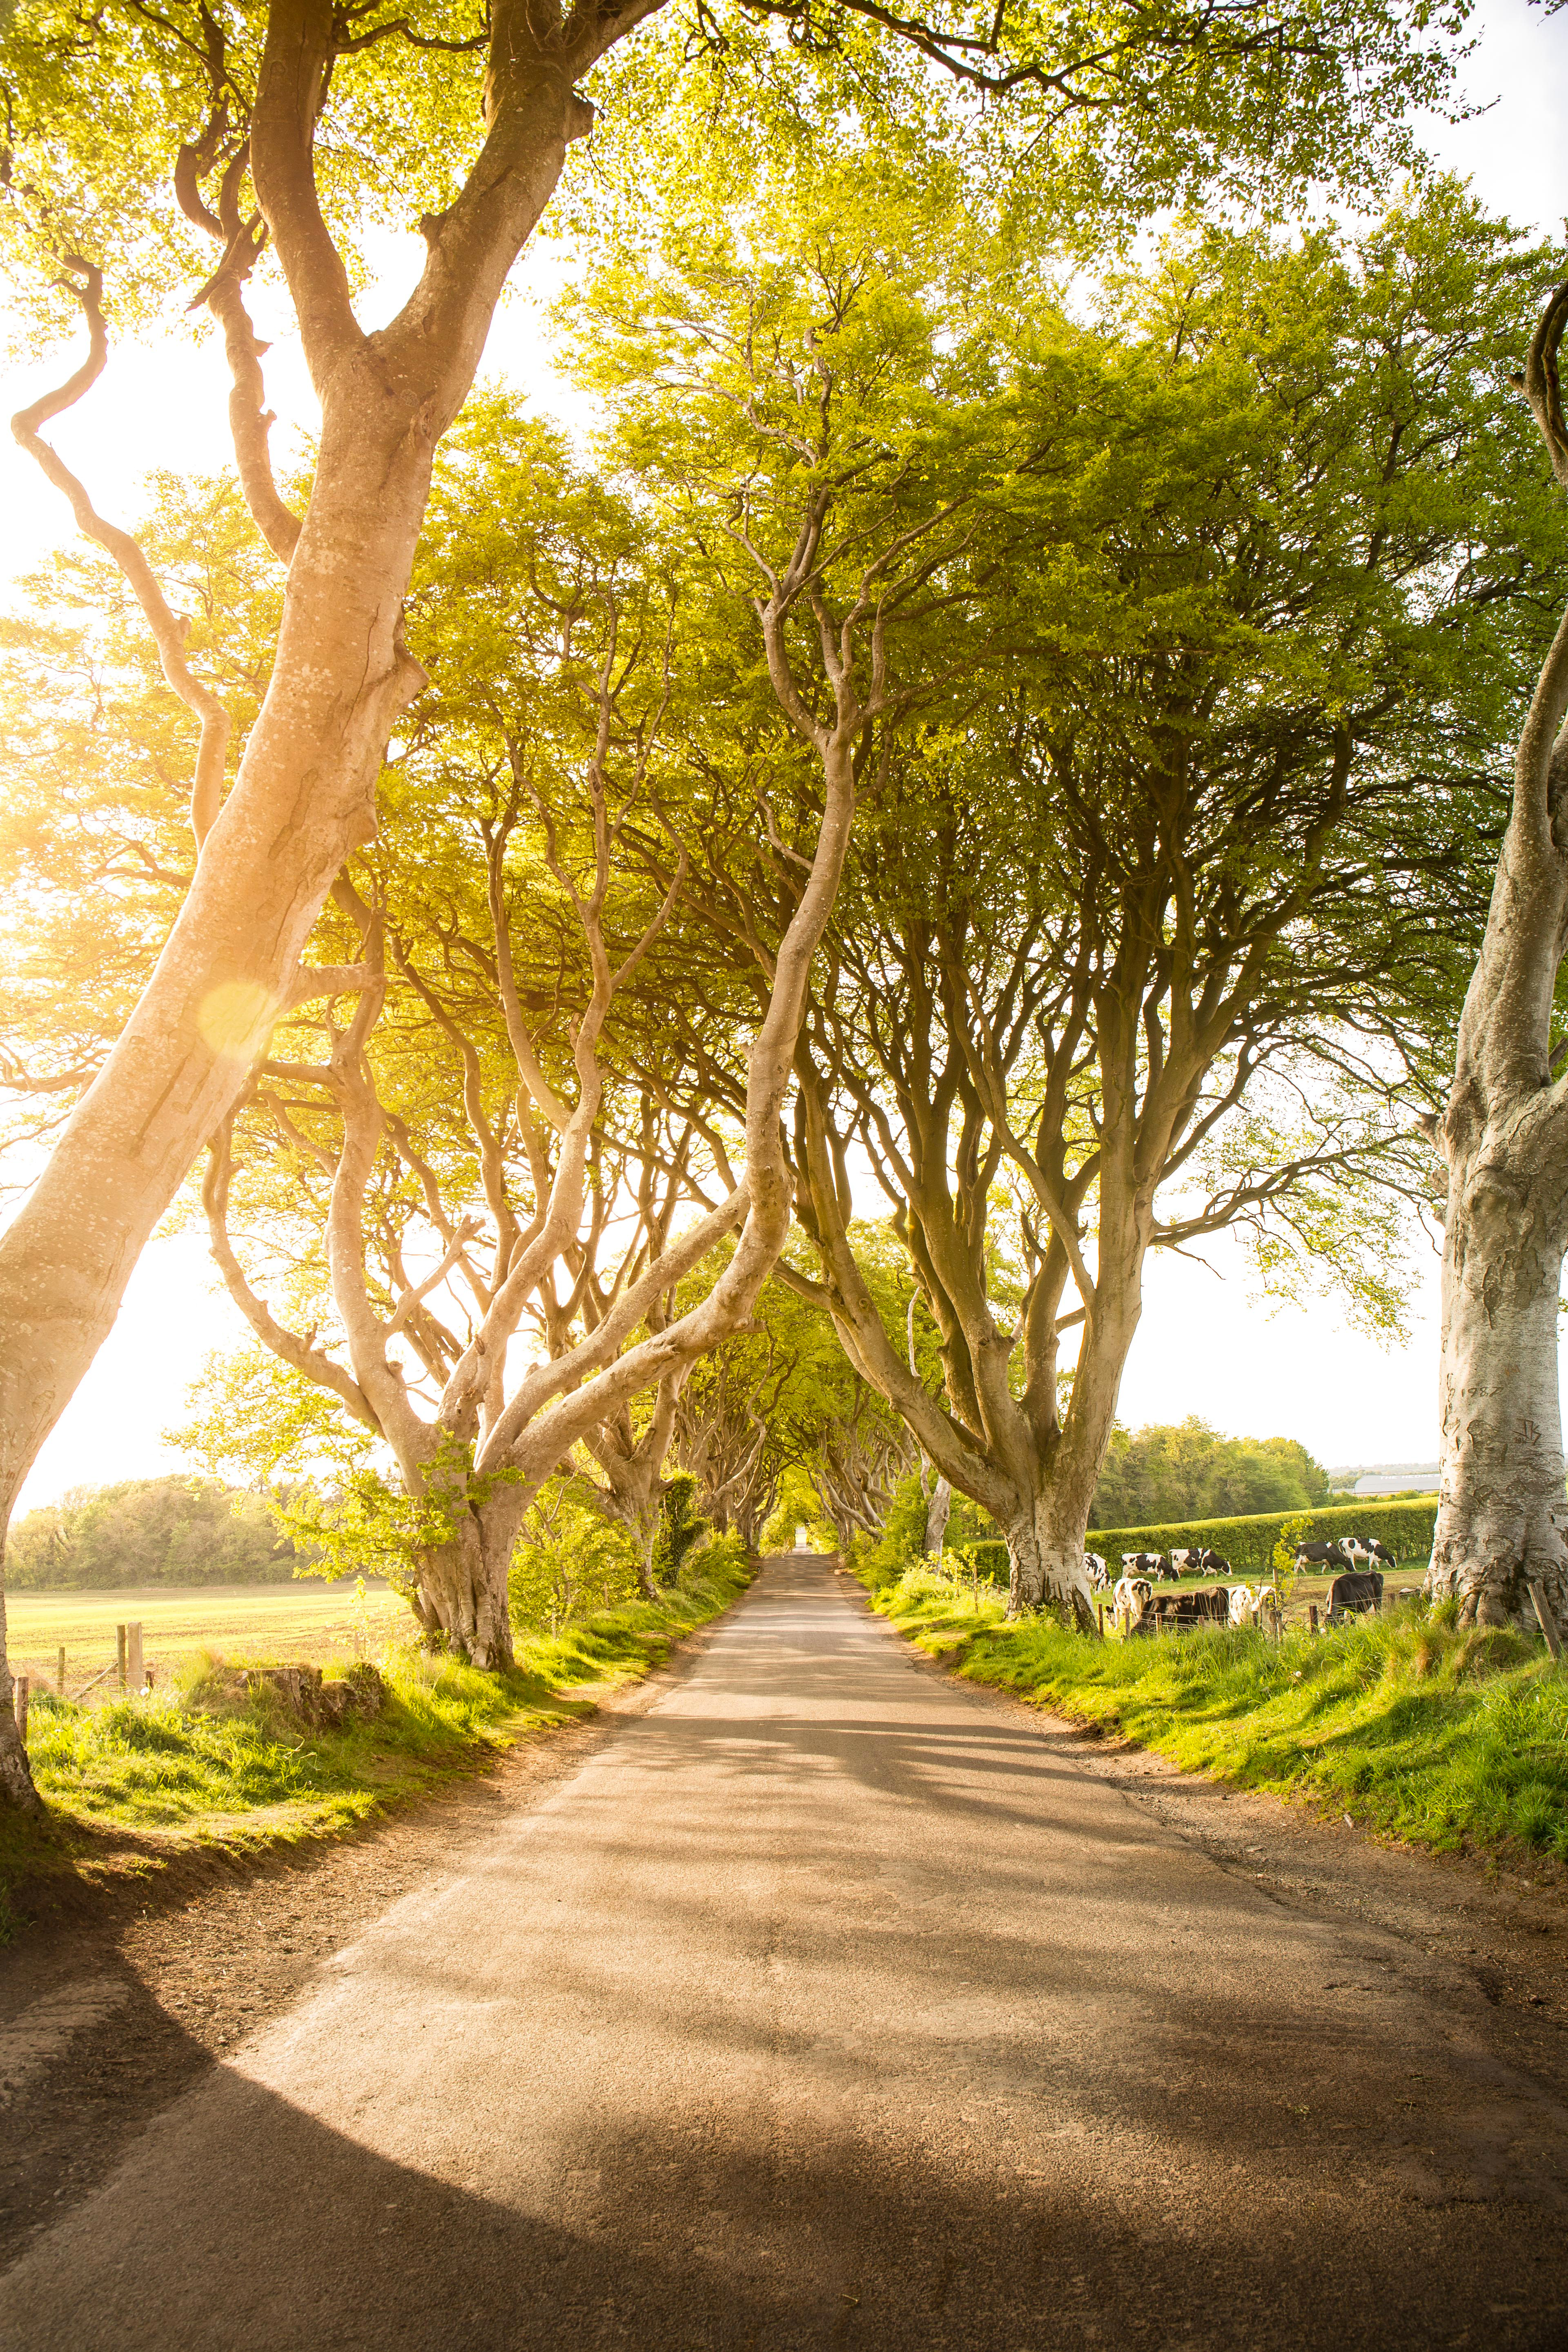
(1098,1574)
(1325,1555)
(1165,1569)
(1210,1563)
(1133,1594)
(1353,1594)
(1366,1549)
(1184,1613)
(1243,1601)
(1140,1563)
(1188,1561)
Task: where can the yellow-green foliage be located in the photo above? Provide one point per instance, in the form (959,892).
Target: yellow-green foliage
(1440,1736)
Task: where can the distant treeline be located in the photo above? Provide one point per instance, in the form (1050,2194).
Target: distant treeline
(148,1531)
(1188,1471)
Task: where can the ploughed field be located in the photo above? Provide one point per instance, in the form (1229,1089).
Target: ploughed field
(281,1623)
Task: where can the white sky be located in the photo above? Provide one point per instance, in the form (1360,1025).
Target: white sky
(1204,1346)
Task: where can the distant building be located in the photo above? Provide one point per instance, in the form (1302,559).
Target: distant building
(1385,1478)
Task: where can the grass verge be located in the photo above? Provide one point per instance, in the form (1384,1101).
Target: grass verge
(132,1786)
(1446,1739)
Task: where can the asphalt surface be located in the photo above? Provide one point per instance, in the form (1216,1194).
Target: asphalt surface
(827,2004)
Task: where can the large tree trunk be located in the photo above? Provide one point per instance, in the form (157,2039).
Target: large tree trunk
(463,1590)
(1045,1549)
(937,1513)
(1504,1135)
(643,1527)
(16,1781)
(1502,1513)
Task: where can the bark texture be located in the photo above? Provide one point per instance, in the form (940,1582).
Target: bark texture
(462,1597)
(1045,1566)
(938,1511)
(1502,1513)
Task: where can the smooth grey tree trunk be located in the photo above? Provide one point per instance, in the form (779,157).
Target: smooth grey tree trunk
(1504,1135)
(1047,1570)
(1502,1510)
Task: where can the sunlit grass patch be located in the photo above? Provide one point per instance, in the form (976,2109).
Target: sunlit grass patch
(1436,1735)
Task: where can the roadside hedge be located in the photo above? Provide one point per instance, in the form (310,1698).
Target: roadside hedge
(1248,1543)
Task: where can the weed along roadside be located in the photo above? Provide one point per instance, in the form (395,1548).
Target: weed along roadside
(1448,1739)
(239,1755)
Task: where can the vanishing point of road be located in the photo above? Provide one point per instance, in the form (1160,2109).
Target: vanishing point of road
(828,2003)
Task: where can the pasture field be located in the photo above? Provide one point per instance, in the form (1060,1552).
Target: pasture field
(1442,1738)
(1300,1592)
(275,1625)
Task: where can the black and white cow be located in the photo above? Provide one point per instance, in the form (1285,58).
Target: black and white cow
(1188,1561)
(1098,1574)
(1212,1563)
(1367,1548)
(1211,1608)
(1351,1595)
(1140,1563)
(1322,1555)
(1184,1613)
(1133,1595)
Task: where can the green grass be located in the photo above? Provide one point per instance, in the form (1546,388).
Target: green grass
(1442,1738)
(131,1784)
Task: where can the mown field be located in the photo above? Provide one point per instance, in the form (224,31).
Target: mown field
(1444,1739)
(283,1623)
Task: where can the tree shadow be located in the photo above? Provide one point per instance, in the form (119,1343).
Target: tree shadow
(241,2223)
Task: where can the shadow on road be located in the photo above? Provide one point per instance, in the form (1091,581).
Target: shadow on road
(689,2245)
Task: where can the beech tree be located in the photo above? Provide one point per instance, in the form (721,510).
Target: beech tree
(288,129)
(1146,937)
(455,1154)
(1501,1515)
(499,931)
(726,1428)
(781,1395)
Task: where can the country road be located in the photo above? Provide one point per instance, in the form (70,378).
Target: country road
(827,2004)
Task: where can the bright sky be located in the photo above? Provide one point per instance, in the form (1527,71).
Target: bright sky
(1205,1347)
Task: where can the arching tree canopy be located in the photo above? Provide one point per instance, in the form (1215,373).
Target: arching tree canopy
(157,159)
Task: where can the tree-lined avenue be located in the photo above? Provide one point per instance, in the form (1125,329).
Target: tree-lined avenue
(831,2003)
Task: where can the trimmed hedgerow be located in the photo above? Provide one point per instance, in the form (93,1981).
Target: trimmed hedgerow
(1248,1543)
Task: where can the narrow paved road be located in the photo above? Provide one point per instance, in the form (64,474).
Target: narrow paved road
(828,2006)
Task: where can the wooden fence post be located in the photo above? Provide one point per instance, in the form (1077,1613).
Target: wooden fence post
(22,1687)
(60,1673)
(120,1653)
(1312,1615)
(135,1668)
(1100,1614)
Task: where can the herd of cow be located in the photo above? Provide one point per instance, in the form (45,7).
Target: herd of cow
(1355,1565)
